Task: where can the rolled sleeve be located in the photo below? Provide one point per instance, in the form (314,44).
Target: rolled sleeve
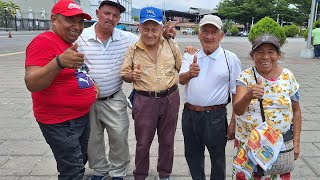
(127,65)
(187,60)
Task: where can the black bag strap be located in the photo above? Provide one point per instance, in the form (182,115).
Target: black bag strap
(260,100)
(229,96)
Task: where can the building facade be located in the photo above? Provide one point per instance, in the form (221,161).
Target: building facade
(41,9)
(126,17)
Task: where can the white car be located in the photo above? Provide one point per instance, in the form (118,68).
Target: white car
(188,31)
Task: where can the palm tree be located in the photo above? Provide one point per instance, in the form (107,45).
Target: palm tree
(9,8)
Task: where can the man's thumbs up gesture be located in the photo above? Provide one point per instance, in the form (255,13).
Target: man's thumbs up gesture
(136,74)
(71,58)
(194,67)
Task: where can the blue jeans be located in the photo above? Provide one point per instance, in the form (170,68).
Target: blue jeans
(69,141)
(205,129)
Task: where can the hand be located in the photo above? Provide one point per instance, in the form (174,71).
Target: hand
(296,151)
(97,90)
(136,74)
(194,68)
(256,91)
(191,50)
(170,31)
(231,131)
(71,58)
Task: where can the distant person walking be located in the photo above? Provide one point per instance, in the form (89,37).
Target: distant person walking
(316,41)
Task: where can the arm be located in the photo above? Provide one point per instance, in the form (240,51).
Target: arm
(244,96)
(193,72)
(297,122)
(232,124)
(38,78)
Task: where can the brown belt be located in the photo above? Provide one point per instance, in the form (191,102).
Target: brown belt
(158,94)
(203,108)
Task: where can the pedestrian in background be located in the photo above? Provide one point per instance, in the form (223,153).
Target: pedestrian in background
(316,41)
(151,65)
(61,89)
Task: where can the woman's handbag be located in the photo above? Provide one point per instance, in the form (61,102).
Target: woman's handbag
(284,163)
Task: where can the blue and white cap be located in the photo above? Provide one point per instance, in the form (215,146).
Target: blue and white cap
(151,13)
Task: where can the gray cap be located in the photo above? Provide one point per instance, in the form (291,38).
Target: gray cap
(266,39)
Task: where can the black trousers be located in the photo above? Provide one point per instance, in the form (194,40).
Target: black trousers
(205,129)
(69,142)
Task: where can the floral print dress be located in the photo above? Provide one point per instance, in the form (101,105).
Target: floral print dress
(278,112)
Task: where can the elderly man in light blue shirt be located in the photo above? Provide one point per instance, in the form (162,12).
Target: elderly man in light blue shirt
(210,76)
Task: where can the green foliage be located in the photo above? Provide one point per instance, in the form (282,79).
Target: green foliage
(196,30)
(292,30)
(234,31)
(242,11)
(9,8)
(227,25)
(267,25)
(136,18)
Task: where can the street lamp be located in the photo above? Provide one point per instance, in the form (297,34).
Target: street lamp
(277,18)
(252,19)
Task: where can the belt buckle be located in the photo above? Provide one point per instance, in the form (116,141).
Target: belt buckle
(156,95)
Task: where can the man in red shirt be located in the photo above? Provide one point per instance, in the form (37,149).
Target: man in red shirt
(61,89)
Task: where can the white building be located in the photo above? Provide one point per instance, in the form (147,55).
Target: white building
(126,17)
(88,6)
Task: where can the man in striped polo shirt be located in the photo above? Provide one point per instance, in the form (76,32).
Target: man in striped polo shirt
(104,47)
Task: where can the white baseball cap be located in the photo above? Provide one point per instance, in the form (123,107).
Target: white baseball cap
(211,19)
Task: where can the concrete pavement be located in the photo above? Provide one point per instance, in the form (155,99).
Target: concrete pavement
(24,154)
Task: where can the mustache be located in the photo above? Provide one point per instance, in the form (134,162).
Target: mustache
(110,22)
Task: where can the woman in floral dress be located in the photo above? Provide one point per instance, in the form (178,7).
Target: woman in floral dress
(279,90)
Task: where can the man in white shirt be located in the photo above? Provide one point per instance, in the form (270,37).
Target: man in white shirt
(104,47)
(209,75)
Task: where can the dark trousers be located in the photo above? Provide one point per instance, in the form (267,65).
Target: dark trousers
(150,115)
(205,129)
(316,50)
(68,142)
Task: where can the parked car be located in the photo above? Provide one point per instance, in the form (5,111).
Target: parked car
(243,33)
(188,31)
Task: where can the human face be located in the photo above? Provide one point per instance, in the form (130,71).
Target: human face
(210,37)
(150,33)
(68,28)
(265,58)
(108,16)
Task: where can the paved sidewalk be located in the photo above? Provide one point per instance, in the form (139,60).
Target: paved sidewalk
(24,154)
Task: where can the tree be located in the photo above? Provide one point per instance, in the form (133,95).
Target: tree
(234,31)
(267,25)
(9,8)
(243,11)
(136,18)
(292,30)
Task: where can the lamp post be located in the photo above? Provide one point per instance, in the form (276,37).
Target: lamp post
(308,52)
(252,19)
(277,18)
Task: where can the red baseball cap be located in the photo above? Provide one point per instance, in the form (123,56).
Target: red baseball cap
(69,8)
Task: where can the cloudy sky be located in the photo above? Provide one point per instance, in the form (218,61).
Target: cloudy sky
(180,5)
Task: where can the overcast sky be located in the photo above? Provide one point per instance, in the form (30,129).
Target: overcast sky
(180,5)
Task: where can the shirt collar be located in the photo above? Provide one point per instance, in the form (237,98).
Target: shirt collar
(213,56)
(92,35)
(140,43)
